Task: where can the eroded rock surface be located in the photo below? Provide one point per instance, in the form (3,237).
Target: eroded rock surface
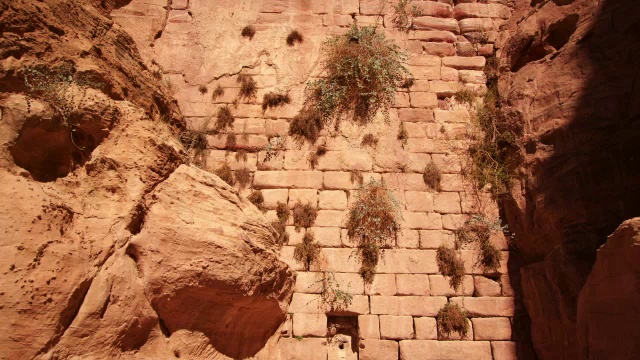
(112,246)
(608,303)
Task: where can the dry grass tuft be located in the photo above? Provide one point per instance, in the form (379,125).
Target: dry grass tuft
(403,136)
(283,212)
(224,119)
(224,173)
(231,141)
(248,86)
(248,32)
(479,230)
(306,125)
(307,251)
(451,318)
(369,140)
(304,215)
(314,156)
(432,176)
(294,37)
(218,92)
(282,236)
(373,220)
(271,100)
(243,177)
(257,199)
(202,89)
(450,265)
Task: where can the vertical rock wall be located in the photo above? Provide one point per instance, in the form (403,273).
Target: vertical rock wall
(198,47)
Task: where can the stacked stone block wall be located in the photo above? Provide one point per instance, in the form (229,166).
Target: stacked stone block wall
(448,49)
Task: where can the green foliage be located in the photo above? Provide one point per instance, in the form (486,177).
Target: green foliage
(248,86)
(332,295)
(283,212)
(294,37)
(432,176)
(304,215)
(224,119)
(450,265)
(248,32)
(478,230)
(373,220)
(363,71)
(495,154)
(243,177)
(403,15)
(224,173)
(451,318)
(271,100)
(369,140)
(257,199)
(306,251)
(403,136)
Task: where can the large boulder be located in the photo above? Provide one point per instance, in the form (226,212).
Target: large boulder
(608,313)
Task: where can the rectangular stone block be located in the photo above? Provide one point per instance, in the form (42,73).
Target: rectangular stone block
(309,324)
(433,8)
(420,220)
(432,239)
(331,218)
(447,203)
(407,261)
(476,10)
(434,23)
(439,350)
(491,328)
(378,350)
(407,305)
(308,282)
(433,36)
(327,236)
(426,328)
(424,72)
(476,25)
(350,283)
(473,76)
(453,221)
(273,196)
(470,257)
(419,201)
(287,179)
(341,180)
(451,116)
(486,287)
(383,284)
(431,147)
(423,99)
(304,196)
(337,260)
(409,239)
(416,115)
(274,6)
(412,284)
(487,306)
(286,254)
(396,327)
(444,88)
(440,286)
(439,49)
(504,350)
(465,62)
(310,348)
(312,304)
(368,327)
(333,200)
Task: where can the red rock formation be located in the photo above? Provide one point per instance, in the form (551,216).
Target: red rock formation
(570,73)
(608,303)
(112,245)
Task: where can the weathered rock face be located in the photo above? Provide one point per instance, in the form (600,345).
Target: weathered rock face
(113,247)
(608,303)
(570,68)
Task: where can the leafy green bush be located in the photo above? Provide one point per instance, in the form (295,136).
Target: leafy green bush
(306,251)
(432,176)
(373,220)
(450,265)
(363,71)
(451,318)
(304,215)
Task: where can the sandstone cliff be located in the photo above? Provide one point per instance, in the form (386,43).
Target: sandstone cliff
(113,246)
(569,68)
